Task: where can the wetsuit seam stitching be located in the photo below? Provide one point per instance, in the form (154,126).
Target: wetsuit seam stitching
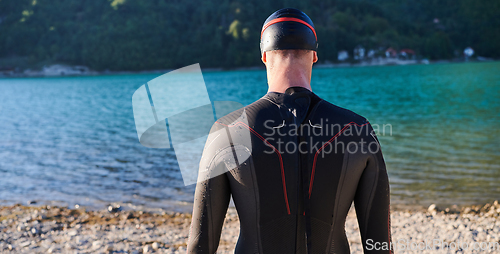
(273,102)
(217,156)
(210,224)
(257,205)
(372,193)
(275,150)
(321,148)
(339,190)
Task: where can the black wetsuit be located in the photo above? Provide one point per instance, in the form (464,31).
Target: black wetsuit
(293,200)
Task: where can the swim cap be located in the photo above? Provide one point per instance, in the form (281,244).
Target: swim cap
(288,28)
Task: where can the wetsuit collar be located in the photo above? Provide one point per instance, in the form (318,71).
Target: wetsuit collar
(292,90)
(297,101)
(297,89)
(290,96)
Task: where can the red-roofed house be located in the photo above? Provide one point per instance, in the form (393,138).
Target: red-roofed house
(391,53)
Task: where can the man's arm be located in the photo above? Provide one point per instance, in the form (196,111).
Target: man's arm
(372,202)
(211,201)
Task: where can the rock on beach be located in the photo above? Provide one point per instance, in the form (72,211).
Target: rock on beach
(45,229)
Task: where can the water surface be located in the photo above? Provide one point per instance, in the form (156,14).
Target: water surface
(73,139)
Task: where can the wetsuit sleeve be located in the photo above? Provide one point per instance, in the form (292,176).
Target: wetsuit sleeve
(211,201)
(372,202)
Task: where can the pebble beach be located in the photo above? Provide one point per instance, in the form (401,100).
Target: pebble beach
(48,229)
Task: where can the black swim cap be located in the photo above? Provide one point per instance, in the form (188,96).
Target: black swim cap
(288,28)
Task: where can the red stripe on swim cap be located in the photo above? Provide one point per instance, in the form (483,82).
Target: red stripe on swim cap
(274,21)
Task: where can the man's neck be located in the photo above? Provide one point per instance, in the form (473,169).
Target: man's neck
(281,78)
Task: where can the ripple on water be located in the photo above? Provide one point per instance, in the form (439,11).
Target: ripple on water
(73,139)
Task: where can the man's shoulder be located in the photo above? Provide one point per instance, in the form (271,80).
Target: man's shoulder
(326,109)
(260,108)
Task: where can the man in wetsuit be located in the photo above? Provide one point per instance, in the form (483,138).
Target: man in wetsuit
(309,160)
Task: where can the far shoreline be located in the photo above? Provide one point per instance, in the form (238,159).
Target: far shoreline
(62,70)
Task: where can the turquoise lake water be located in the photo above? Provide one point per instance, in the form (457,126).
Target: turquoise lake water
(73,139)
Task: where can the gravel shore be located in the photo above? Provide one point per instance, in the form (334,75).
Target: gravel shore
(45,229)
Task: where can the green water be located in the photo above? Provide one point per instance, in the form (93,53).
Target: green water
(73,139)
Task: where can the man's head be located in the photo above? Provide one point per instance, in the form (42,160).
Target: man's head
(288,34)
(288,46)
(288,28)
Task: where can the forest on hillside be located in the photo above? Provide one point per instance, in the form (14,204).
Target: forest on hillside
(161,34)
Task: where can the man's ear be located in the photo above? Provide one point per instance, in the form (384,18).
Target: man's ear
(315,57)
(264,60)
